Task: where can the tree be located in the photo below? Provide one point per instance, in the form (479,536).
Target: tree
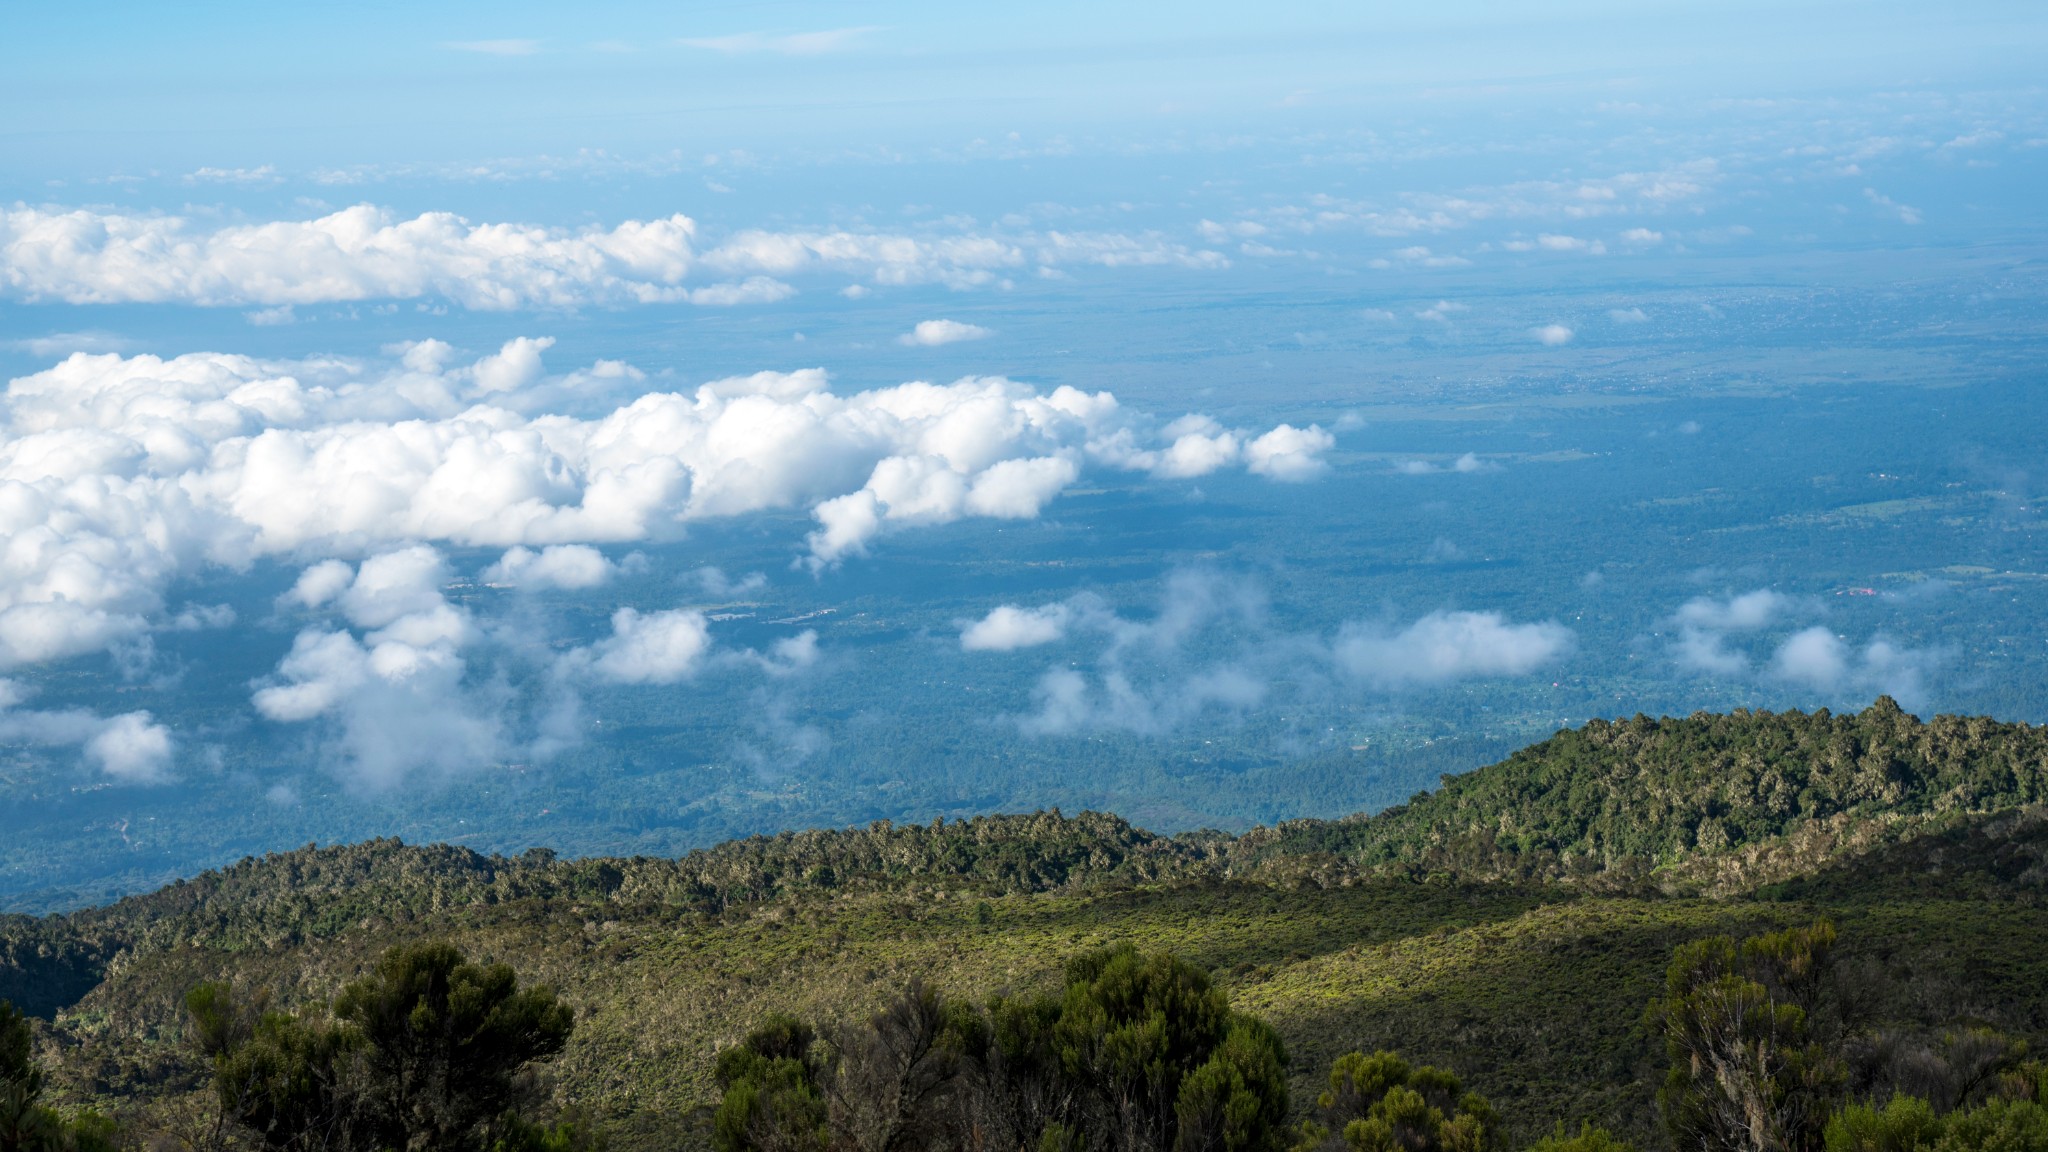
(1379,1103)
(1135,1030)
(26,1124)
(1749,1071)
(772,1102)
(424,1052)
(443,1041)
(1137,1053)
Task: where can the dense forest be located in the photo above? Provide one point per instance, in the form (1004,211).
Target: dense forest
(1752,930)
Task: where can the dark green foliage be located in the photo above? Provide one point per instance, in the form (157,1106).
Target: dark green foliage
(26,1124)
(1640,793)
(443,1039)
(1138,1053)
(1379,1103)
(772,1101)
(1751,1067)
(422,1053)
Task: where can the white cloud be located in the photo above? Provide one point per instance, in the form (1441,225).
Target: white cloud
(1628,315)
(565,566)
(1552,334)
(1289,453)
(1446,646)
(132,749)
(1008,628)
(393,702)
(1906,214)
(931,333)
(272,317)
(1817,659)
(782,44)
(129,748)
(1210,647)
(119,475)
(61,344)
(1745,612)
(650,648)
(366,253)
(497,47)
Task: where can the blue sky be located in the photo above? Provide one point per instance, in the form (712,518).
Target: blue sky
(97,89)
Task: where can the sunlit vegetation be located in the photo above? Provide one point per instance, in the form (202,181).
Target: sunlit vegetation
(1519,960)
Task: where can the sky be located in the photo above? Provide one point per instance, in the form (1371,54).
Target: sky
(450,365)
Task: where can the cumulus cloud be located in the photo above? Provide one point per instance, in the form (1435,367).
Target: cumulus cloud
(1008,628)
(1209,647)
(1817,659)
(393,702)
(1552,335)
(650,647)
(130,748)
(119,475)
(1628,315)
(565,566)
(1446,646)
(931,333)
(1705,621)
(1812,657)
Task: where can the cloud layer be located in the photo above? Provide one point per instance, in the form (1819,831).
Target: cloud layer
(119,475)
(364,252)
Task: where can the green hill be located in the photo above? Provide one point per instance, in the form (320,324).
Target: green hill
(1510,925)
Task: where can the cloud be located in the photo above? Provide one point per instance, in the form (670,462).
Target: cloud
(260,175)
(571,567)
(497,47)
(130,748)
(1553,335)
(367,253)
(652,647)
(393,702)
(782,44)
(358,253)
(1817,659)
(1628,315)
(120,475)
(1209,647)
(931,333)
(1905,214)
(61,344)
(1745,612)
(1442,311)
(1704,622)
(1465,464)
(1446,646)
(1813,657)
(1289,453)
(1008,628)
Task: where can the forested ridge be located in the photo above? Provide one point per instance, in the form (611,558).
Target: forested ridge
(1508,926)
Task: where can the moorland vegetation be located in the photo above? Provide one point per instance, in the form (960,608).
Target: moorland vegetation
(1746,931)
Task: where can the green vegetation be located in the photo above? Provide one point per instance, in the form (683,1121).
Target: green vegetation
(421,1053)
(1511,928)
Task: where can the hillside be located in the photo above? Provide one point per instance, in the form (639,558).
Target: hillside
(1510,925)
